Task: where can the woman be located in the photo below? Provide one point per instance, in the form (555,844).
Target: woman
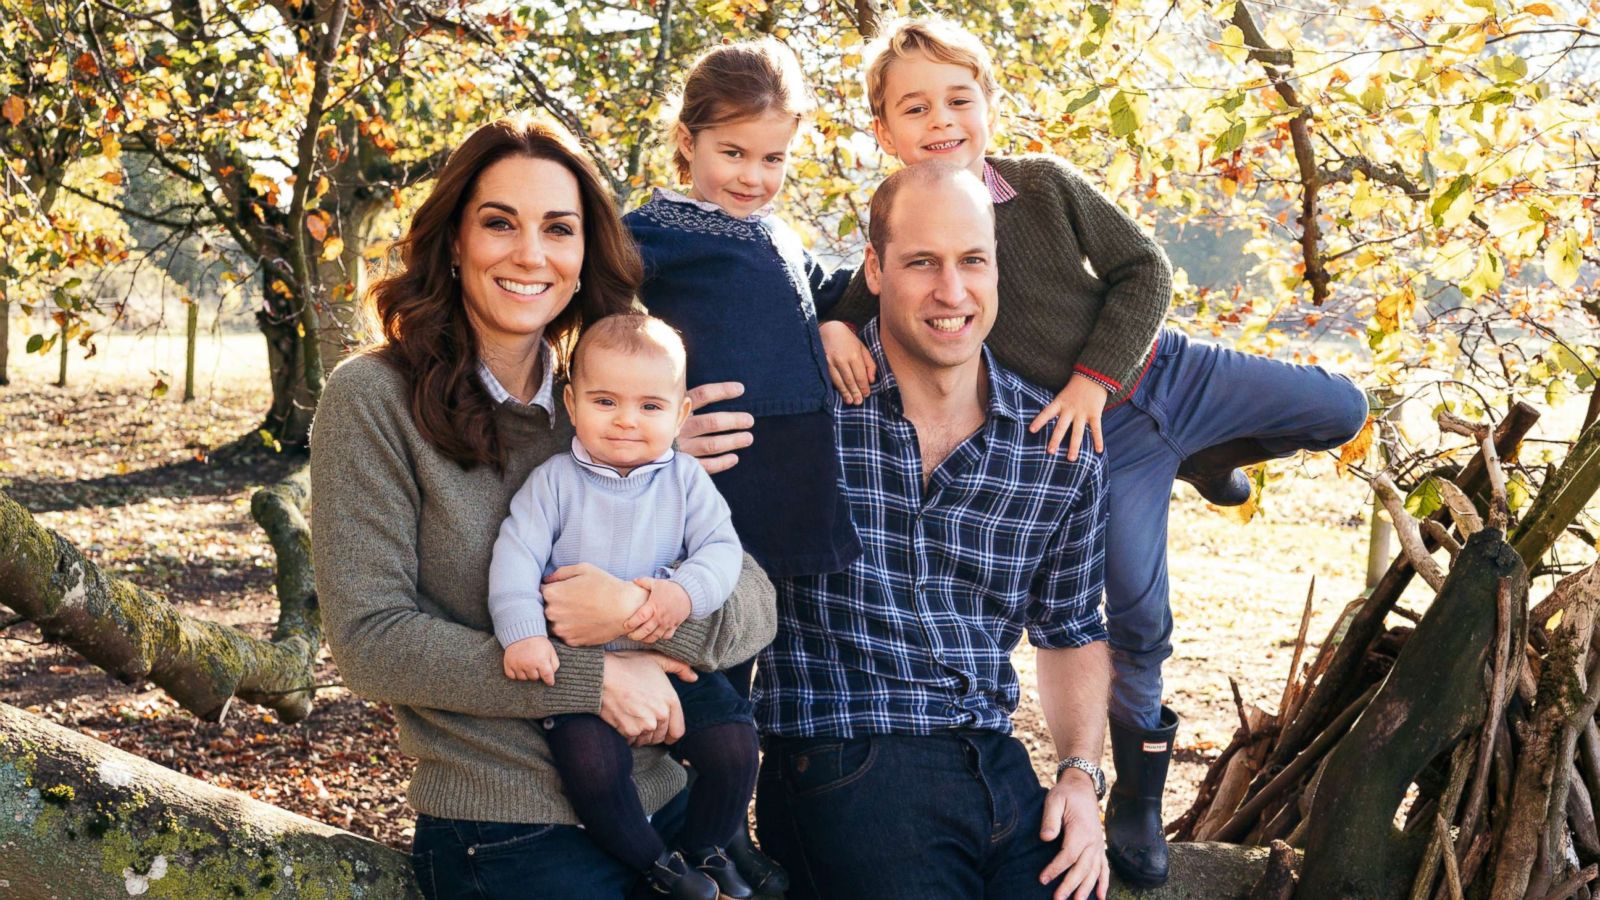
(418,447)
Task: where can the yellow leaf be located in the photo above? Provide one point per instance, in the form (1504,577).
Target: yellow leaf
(1562,258)
(1247,510)
(1538,9)
(1355,451)
(332,249)
(1232,45)
(1486,277)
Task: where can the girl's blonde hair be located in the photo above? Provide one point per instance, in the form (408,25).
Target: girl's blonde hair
(938,39)
(731,82)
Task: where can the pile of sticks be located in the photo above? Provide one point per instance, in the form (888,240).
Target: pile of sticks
(1471,772)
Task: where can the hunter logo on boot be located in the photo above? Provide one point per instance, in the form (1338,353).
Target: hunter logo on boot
(1150,747)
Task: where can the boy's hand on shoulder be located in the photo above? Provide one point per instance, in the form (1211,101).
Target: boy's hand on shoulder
(662,612)
(1078,407)
(850,363)
(532,659)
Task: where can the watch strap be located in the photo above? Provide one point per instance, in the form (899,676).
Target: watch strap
(1097,776)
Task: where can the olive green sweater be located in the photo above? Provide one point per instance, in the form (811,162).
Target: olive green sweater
(1083,288)
(402,539)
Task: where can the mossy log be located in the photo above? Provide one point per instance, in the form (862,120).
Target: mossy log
(81,819)
(1434,694)
(136,635)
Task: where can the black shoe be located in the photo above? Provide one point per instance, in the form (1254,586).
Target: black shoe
(1135,842)
(673,877)
(1215,472)
(719,868)
(760,871)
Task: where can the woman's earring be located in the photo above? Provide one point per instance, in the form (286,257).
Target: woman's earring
(577,285)
(455,272)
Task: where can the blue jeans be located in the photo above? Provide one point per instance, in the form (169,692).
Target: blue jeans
(922,817)
(457,859)
(1195,395)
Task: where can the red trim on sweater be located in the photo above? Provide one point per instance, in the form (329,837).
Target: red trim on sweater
(1148,360)
(1105,380)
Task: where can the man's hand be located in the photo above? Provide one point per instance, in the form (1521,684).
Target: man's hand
(1071,811)
(663,611)
(712,437)
(532,659)
(1077,407)
(850,363)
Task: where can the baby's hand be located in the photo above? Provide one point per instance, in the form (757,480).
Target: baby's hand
(661,613)
(532,659)
(849,362)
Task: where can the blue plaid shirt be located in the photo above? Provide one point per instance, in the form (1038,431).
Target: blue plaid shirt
(916,636)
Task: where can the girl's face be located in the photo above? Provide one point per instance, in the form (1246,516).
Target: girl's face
(739,166)
(519,249)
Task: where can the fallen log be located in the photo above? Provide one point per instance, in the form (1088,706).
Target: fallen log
(136,635)
(79,818)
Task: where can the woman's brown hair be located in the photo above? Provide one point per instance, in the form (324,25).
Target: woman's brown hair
(732,82)
(427,335)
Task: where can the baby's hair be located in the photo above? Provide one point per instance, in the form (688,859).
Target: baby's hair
(731,82)
(634,334)
(938,39)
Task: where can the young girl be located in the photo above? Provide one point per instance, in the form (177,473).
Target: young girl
(734,279)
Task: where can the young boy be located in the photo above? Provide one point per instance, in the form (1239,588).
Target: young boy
(1161,406)
(624,501)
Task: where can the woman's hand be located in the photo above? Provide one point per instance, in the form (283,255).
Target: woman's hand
(587,607)
(1077,407)
(712,437)
(850,363)
(637,699)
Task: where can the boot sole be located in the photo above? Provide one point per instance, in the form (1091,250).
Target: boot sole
(1138,880)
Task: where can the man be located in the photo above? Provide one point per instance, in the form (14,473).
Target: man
(886,698)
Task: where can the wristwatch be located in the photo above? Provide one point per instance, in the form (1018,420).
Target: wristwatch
(1096,775)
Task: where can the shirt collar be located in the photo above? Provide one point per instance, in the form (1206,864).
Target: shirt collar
(673,196)
(1000,190)
(544,397)
(581,454)
(1005,394)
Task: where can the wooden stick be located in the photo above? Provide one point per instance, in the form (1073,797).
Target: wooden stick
(1499,508)
(1299,649)
(1566,590)
(1441,536)
(1440,844)
(1580,812)
(1500,667)
(1238,704)
(1466,517)
(1452,874)
(1407,530)
(1577,880)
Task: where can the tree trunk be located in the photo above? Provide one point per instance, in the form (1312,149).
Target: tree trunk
(1432,696)
(81,819)
(190,333)
(344,280)
(289,418)
(1562,497)
(5,336)
(61,377)
(136,635)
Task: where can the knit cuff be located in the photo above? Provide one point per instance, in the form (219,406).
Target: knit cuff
(1111,385)
(508,633)
(701,601)
(578,681)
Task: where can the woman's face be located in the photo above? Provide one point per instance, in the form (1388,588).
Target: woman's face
(519,247)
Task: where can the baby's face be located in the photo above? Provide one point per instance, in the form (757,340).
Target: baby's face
(626,407)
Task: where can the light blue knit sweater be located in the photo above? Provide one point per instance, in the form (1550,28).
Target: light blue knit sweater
(571,511)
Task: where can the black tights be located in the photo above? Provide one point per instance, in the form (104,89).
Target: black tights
(596,767)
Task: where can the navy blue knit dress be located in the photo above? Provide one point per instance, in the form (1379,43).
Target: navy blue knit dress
(745,295)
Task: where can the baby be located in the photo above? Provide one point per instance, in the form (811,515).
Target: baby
(624,501)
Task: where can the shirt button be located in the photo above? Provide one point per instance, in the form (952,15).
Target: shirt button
(472,851)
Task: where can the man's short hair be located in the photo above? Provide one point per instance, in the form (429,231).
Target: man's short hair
(634,334)
(923,174)
(938,39)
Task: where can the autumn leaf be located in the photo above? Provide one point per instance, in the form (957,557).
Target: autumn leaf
(14,109)
(317,224)
(332,249)
(1357,449)
(1562,256)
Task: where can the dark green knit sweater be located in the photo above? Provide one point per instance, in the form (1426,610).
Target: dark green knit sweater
(1057,316)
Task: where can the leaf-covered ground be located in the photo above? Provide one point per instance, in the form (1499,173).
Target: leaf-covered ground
(130,478)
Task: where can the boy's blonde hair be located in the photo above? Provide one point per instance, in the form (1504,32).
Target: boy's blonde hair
(633,334)
(938,39)
(731,82)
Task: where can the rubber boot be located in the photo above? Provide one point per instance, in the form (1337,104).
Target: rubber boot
(1215,471)
(1135,842)
(761,871)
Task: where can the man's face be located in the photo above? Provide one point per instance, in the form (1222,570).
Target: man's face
(934,111)
(936,279)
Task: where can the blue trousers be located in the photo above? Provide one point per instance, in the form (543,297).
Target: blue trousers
(1195,395)
(950,816)
(457,859)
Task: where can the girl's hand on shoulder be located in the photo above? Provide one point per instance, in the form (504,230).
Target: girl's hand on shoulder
(850,363)
(1078,407)
(712,437)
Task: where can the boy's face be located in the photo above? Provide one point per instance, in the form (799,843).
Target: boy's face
(739,166)
(934,110)
(626,407)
